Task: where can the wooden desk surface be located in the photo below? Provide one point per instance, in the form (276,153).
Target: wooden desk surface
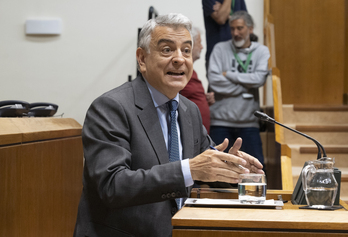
(290,218)
(21,130)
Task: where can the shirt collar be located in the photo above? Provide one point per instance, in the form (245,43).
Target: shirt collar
(157,97)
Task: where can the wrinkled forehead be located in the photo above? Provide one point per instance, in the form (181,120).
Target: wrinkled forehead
(170,33)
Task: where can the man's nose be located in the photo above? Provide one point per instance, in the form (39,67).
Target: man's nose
(178,58)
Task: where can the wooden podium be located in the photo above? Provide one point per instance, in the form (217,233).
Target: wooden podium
(248,222)
(41,163)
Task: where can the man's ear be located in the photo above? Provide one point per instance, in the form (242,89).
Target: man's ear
(141,59)
(251,30)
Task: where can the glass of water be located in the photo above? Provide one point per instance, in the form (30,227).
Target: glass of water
(252,188)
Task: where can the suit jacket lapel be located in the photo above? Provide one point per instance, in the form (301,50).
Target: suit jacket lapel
(185,121)
(149,119)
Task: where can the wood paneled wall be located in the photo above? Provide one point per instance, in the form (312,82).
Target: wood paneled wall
(310,48)
(346,54)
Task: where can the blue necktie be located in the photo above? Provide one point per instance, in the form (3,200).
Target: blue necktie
(173,148)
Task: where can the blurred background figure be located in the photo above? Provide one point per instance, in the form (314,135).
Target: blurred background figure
(216,14)
(237,69)
(194,90)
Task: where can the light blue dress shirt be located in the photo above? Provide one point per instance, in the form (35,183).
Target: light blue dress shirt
(160,101)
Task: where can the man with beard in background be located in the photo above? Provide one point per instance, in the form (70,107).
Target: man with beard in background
(237,68)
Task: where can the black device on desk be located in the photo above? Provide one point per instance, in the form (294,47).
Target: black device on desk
(13,108)
(42,109)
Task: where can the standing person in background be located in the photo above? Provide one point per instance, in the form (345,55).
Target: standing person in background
(216,14)
(194,90)
(237,69)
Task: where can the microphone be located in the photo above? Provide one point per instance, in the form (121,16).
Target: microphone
(298,195)
(265,117)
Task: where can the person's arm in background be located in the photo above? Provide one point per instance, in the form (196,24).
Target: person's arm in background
(210,98)
(217,81)
(255,79)
(219,12)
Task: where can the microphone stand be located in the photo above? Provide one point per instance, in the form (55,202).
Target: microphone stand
(305,135)
(266,118)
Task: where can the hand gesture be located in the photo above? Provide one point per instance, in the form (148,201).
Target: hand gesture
(253,164)
(212,165)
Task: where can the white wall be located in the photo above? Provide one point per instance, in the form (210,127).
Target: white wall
(94,53)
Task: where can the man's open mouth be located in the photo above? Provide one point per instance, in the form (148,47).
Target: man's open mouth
(176,73)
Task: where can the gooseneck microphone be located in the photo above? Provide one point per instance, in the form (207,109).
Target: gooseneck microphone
(265,117)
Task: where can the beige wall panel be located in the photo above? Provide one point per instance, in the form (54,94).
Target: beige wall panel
(310,46)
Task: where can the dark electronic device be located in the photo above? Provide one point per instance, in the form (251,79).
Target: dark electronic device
(298,196)
(42,109)
(152,12)
(13,108)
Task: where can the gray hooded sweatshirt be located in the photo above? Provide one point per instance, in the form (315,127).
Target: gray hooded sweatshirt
(236,95)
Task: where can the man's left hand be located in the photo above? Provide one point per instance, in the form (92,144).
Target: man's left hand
(253,164)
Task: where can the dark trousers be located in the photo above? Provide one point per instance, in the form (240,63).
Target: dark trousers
(251,139)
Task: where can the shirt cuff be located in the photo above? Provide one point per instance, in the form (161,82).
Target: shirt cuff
(185,167)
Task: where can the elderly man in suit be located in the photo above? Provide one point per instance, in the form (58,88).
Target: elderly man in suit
(142,154)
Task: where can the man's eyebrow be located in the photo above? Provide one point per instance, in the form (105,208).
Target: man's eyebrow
(165,41)
(188,42)
(172,42)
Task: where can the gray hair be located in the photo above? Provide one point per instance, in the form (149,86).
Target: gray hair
(242,15)
(173,20)
(195,32)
